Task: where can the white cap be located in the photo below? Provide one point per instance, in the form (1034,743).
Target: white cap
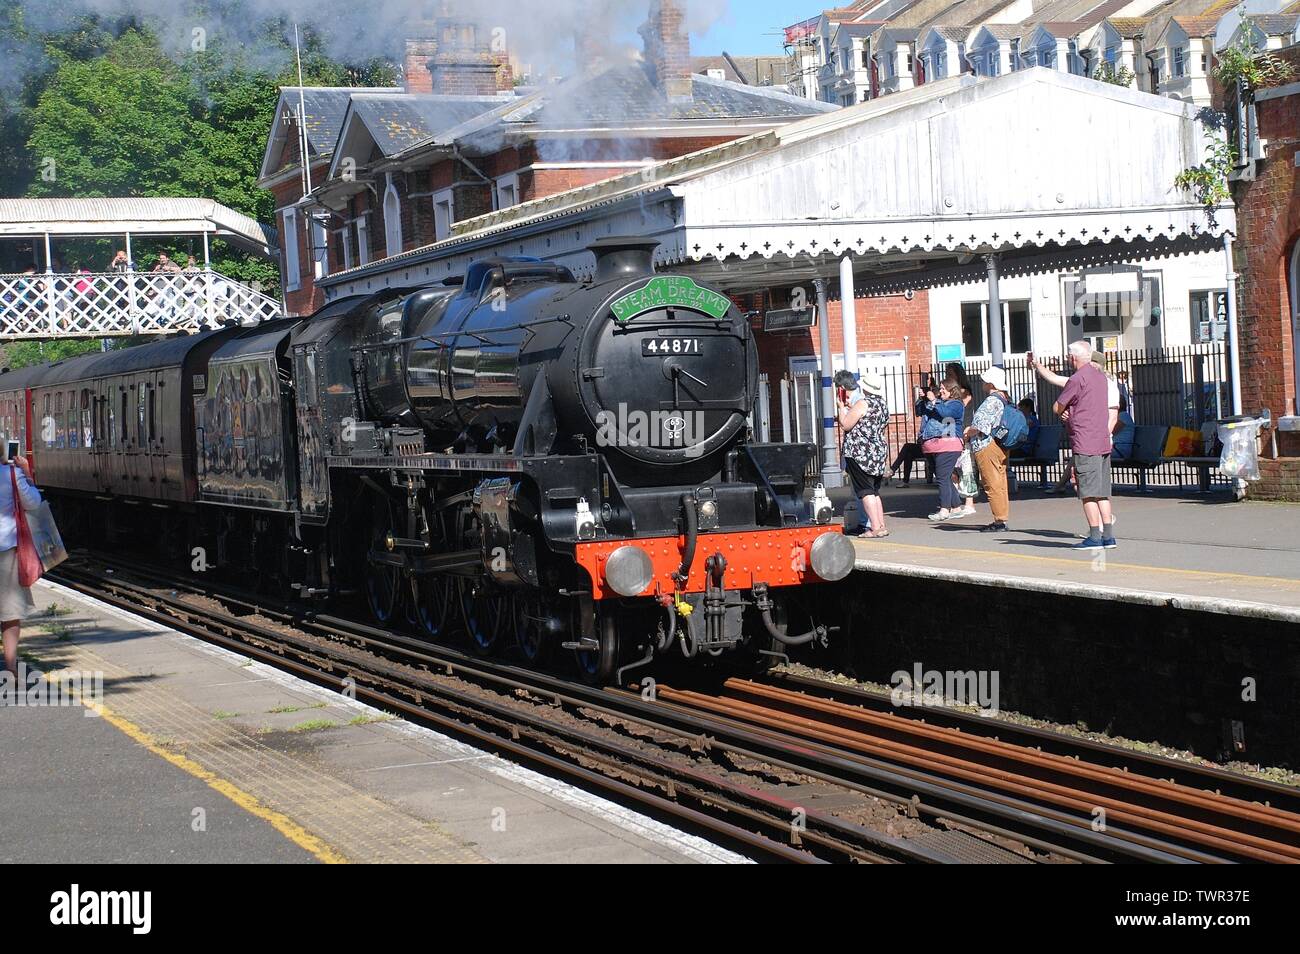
(996,377)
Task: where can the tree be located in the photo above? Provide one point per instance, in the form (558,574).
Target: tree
(129,120)
(22,354)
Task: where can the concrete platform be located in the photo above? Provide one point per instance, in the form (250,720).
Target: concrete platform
(1200,552)
(196,754)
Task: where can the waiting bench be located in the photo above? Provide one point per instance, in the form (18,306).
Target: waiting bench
(1148,451)
(1045,453)
(1206,460)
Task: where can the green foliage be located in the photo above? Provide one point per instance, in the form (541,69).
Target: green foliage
(22,354)
(1107,73)
(1242,63)
(1208,182)
(114,115)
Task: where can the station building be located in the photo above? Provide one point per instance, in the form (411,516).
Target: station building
(410,186)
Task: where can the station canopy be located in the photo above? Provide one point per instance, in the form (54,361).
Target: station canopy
(1047,169)
(63,217)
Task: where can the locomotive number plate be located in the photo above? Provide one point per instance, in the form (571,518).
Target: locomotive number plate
(660,347)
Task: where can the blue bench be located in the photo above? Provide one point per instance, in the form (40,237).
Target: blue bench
(1045,453)
(1148,452)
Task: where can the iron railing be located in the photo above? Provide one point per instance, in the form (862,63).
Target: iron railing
(1186,386)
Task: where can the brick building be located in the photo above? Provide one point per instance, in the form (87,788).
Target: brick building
(394,170)
(1268,265)
(829,208)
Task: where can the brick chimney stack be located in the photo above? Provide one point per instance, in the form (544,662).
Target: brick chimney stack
(415,65)
(589,47)
(453,52)
(668,50)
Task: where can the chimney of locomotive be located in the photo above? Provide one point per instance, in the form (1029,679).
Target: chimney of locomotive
(623,257)
(668,50)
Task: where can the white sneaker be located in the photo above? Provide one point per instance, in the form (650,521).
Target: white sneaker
(939,516)
(968,512)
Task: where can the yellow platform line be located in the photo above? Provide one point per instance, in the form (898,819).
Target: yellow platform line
(249,803)
(1078,563)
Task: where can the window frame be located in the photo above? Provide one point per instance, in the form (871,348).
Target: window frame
(1007,348)
(508,181)
(292,255)
(392,219)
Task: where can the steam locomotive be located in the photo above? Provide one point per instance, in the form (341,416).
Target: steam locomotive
(512,456)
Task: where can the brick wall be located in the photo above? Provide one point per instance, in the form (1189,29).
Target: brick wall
(1279,480)
(1268,225)
(415,65)
(1145,672)
(881,323)
(307,298)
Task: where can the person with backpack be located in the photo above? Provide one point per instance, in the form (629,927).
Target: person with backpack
(998,426)
(1085,407)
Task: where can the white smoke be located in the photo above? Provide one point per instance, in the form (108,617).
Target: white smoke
(539,33)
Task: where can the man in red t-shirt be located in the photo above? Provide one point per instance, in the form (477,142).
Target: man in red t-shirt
(1084,406)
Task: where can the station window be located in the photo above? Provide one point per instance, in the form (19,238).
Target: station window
(1015,327)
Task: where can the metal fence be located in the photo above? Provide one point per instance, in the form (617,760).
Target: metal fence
(1173,387)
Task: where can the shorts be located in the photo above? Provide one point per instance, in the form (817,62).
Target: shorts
(864,484)
(1092,471)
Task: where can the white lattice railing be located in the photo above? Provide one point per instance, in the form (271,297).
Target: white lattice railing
(115,304)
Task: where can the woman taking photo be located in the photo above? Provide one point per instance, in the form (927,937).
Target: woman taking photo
(863,416)
(15,599)
(941,435)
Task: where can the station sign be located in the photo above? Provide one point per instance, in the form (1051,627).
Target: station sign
(789,319)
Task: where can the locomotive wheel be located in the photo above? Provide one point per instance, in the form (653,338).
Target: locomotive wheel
(530,628)
(597,666)
(486,616)
(382,584)
(435,597)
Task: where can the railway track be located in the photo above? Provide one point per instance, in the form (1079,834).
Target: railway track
(708,760)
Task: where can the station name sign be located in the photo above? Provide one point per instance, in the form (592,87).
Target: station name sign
(669,291)
(788,319)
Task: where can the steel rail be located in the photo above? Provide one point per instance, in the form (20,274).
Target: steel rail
(924,793)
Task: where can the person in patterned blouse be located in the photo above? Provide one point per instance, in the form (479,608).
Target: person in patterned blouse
(866,451)
(990,457)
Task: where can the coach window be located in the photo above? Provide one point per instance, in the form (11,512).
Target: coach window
(139,415)
(73,434)
(153,396)
(87,419)
(47,424)
(60,431)
(125,418)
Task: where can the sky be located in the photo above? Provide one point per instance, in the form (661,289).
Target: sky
(753,27)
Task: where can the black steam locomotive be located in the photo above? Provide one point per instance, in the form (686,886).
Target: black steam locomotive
(512,455)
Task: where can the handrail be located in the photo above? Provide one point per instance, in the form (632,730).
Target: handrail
(116,304)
